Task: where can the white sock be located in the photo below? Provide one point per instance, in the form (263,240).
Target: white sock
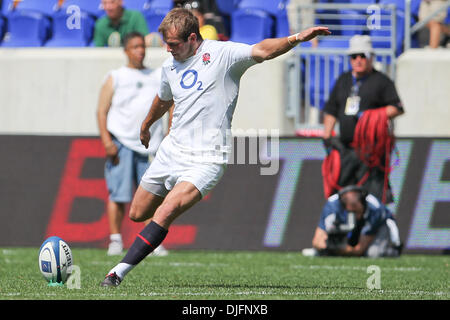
(116,237)
(122,269)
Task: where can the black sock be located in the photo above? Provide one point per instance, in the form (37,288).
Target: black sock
(146,241)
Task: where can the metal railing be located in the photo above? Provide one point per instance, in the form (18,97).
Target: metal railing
(312,71)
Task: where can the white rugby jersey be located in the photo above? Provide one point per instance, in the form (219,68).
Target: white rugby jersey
(205,89)
(134,91)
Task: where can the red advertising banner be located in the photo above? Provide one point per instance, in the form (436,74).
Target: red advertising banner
(55,186)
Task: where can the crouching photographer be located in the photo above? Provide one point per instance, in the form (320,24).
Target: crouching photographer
(355,223)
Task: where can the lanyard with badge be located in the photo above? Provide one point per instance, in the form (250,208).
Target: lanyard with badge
(352,104)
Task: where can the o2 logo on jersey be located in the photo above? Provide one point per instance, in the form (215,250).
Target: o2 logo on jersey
(189,79)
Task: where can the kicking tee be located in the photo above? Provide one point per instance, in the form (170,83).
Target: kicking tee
(205,89)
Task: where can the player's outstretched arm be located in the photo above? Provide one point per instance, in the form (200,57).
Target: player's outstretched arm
(158,109)
(272,48)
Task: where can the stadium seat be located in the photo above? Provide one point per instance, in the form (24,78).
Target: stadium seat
(277,10)
(334,1)
(27,8)
(161,4)
(250,26)
(157,10)
(415,5)
(154,17)
(227,7)
(271,6)
(139,5)
(92,7)
(26,29)
(2,27)
(282,24)
(6,6)
(363,1)
(47,7)
(447,20)
(77,36)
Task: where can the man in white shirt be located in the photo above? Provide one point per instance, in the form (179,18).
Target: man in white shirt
(123,103)
(202,80)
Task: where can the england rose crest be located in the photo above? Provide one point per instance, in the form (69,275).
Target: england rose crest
(206,58)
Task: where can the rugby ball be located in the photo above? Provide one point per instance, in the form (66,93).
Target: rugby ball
(55,260)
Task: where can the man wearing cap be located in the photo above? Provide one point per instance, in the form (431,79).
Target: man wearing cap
(361,89)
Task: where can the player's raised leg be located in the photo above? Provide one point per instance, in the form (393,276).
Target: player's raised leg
(183,196)
(144,205)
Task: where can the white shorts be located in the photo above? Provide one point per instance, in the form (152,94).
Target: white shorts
(170,167)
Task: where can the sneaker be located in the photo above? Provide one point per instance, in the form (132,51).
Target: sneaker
(111,280)
(160,251)
(115,248)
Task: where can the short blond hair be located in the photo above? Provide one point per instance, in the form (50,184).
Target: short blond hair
(184,22)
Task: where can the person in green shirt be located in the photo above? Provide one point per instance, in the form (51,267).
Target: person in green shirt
(118,21)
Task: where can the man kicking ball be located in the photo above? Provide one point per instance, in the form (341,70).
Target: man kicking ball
(202,80)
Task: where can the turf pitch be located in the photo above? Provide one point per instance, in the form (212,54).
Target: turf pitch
(203,275)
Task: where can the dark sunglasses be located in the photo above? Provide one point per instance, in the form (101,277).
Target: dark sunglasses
(355,55)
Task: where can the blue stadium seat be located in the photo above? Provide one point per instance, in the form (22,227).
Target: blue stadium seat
(447,20)
(363,1)
(6,6)
(250,26)
(72,34)
(227,7)
(282,24)
(47,7)
(92,7)
(2,27)
(334,1)
(26,29)
(154,17)
(271,6)
(139,5)
(415,5)
(161,4)
(156,12)
(276,8)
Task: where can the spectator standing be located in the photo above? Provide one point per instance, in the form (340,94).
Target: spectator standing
(362,96)
(124,100)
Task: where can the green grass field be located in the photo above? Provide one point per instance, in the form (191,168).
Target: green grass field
(200,275)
